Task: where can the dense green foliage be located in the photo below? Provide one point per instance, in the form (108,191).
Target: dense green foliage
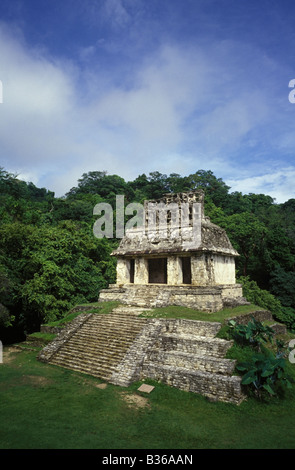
(265,370)
(50,260)
(254,332)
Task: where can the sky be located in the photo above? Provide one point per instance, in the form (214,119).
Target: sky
(136,86)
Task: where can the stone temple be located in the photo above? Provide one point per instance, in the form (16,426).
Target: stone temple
(177,256)
(173,255)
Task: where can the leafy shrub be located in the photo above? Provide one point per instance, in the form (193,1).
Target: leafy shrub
(254,332)
(265,372)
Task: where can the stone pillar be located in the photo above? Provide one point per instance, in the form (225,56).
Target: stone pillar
(174,270)
(123,271)
(141,271)
(199,272)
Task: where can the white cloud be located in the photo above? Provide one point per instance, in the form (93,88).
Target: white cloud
(33,84)
(278,184)
(180,110)
(37,101)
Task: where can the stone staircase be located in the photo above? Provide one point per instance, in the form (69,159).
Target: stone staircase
(96,346)
(121,348)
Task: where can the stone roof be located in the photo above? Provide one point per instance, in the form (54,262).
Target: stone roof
(196,235)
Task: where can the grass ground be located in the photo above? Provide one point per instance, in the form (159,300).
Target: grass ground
(47,407)
(190,314)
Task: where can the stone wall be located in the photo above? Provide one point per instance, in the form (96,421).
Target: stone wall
(123,271)
(184,354)
(207,299)
(174,270)
(206,270)
(224,270)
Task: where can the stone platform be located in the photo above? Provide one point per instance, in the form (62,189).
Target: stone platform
(122,348)
(204,298)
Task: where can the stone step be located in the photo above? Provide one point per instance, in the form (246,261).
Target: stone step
(114,325)
(103,372)
(99,345)
(199,345)
(190,361)
(87,357)
(109,334)
(110,331)
(100,353)
(130,310)
(108,337)
(95,351)
(121,347)
(82,341)
(216,387)
(88,363)
(117,317)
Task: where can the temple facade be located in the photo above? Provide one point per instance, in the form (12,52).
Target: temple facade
(176,257)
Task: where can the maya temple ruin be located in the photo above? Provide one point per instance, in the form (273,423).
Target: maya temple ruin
(177,257)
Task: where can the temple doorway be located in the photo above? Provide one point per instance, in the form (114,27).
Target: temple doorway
(186,270)
(131,271)
(157,270)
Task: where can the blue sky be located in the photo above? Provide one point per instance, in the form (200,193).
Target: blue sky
(135,86)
